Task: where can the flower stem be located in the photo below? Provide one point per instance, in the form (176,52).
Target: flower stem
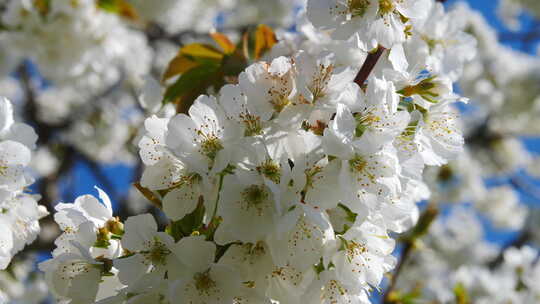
(218,195)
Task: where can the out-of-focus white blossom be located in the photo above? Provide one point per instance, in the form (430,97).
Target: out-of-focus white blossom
(20,211)
(289,183)
(75,42)
(502,206)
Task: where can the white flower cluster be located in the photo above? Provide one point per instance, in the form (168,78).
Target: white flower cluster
(456,255)
(75,42)
(21,284)
(199,16)
(511,10)
(89,241)
(457,261)
(202,16)
(509,101)
(384,22)
(19,211)
(505,107)
(515,281)
(284,187)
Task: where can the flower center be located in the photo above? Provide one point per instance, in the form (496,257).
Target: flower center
(253,125)
(270,170)
(258,249)
(386,6)
(357,8)
(254,195)
(320,82)
(158,252)
(211,146)
(364,122)
(352,249)
(427,89)
(358,163)
(279,91)
(203,282)
(279,101)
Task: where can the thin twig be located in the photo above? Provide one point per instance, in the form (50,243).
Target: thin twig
(404,256)
(409,242)
(368,66)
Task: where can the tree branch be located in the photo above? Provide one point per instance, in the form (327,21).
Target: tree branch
(410,241)
(403,258)
(368,66)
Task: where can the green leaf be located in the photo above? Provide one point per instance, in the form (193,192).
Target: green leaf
(191,56)
(199,50)
(234,64)
(187,225)
(107,5)
(179,65)
(191,84)
(119,7)
(202,66)
(351,217)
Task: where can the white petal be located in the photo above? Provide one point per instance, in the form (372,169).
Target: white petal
(151,96)
(181,201)
(195,253)
(6,114)
(138,229)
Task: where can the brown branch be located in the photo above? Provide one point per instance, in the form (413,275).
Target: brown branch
(368,66)
(403,258)
(418,231)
